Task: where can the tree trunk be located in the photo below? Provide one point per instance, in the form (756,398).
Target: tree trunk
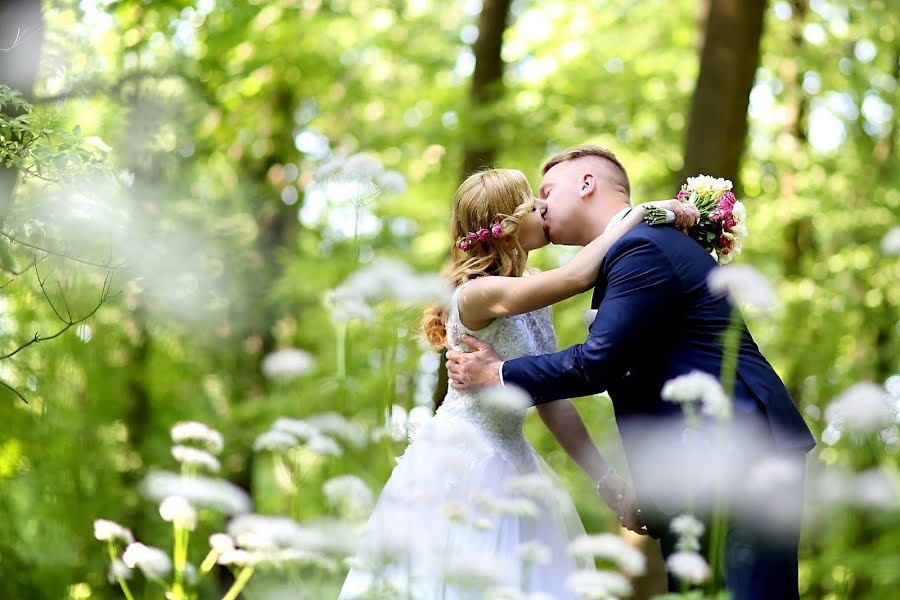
(21,37)
(487,84)
(728,61)
(487,88)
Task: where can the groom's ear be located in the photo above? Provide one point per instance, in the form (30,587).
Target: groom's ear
(586,185)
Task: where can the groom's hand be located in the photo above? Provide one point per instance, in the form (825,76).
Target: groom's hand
(480,368)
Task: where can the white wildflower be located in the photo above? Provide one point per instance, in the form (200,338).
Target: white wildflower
(532,485)
(178,511)
(483,524)
(221,542)
(687,526)
(392,182)
(600,585)
(890,243)
(473,570)
(194,456)
(516,507)
(507,399)
(350,495)
(611,548)
(105,531)
(772,474)
(287,363)
(118,570)
(296,427)
(699,386)
(344,307)
(456,512)
(153,562)
(324,445)
(193,431)
(199,490)
(744,286)
(255,532)
(238,557)
(863,408)
(689,566)
(533,552)
(274,441)
(340,427)
(504,593)
(873,488)
(361,166)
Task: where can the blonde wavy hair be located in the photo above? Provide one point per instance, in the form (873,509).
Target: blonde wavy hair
(484,197)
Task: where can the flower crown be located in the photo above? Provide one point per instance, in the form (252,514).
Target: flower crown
(467,242)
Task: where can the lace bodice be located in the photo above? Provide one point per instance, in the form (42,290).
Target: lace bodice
(519,335)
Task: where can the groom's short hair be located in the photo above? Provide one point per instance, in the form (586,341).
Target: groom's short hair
(617,171)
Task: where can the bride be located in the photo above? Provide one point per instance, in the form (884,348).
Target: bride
(470,506)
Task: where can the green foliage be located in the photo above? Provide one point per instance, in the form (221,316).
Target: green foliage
(225,112)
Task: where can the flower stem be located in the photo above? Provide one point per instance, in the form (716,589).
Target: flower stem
(239,583)
(122,584)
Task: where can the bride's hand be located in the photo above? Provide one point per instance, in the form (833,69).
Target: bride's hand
(686,215)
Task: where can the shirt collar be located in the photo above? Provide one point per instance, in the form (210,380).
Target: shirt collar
(617,217)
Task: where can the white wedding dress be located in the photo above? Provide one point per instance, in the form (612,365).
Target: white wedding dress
(470,506)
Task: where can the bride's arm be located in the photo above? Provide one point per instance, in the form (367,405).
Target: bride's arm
(564,422)
(488,298)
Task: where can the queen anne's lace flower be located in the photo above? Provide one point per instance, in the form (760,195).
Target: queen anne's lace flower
(611,548)
(699,386)
(599,585)
(350,495)
(153,562)
(178,511)
(862,408)
(193,431)
(105,531)
(689,566)
(744,286)
(199,490)
(194,456)
(287,363)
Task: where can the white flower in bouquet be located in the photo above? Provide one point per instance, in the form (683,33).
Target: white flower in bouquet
(287,363)
(188,455)
(178,511)
(611,548)
(706,185)
(105,531)
(689,566)
(153,562)
(599,585)
(193,431)
(863,408)
(744,286)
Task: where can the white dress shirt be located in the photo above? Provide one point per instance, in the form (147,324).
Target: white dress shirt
(612,222)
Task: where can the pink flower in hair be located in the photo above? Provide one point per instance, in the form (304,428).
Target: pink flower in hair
(472,236)
(497,229)
(484,234)
(465,245)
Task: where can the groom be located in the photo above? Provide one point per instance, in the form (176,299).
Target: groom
(656,320)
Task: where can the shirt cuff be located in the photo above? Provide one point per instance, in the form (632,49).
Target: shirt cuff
(501,373)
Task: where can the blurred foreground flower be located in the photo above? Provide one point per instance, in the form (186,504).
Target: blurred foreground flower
(287,363)
(688,566)
(153,562)
(861,409)
(193,431)
(599,585)
(744,286)
(612,549)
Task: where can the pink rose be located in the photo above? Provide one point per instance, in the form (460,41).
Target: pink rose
(497,230)
(484,234)
(681,195)
(716,215)
(465,245)
(472,236)
(727,201)
(724,243)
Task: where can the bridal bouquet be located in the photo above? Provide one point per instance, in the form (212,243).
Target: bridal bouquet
(722,226)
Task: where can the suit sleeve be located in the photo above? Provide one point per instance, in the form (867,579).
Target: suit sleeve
(642,295)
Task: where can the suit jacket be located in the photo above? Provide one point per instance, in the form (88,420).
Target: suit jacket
(656,320)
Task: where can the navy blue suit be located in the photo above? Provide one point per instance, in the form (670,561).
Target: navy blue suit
(656,320)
